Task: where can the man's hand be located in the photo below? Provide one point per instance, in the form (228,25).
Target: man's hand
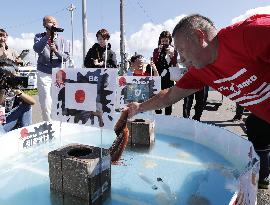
(19,61)
(17,92)
(25,97)
(53,47)
(133,109)
(98,63)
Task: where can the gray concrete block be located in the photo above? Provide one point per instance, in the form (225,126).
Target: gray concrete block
(141,132)
(80,171)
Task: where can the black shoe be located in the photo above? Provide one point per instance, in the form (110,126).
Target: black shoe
(263,184)
(158,112)
(196,118)
(237,118)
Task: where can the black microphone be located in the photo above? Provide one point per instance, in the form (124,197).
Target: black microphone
(55,29)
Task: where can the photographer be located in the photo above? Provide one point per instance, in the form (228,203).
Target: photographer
(16,103)
(165,56)
(49,47)
(7,53)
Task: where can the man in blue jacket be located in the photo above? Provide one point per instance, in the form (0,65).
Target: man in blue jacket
(50,55)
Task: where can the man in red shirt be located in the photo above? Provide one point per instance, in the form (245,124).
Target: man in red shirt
(236,62)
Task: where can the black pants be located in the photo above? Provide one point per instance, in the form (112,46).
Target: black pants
(201,98)
(258,132)
(168,111)
(239,110)
(166,83)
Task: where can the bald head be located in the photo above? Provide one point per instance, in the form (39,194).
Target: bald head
(48,21)
(195,22)
(195,40)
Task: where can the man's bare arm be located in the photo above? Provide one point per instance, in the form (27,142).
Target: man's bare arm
(163,99)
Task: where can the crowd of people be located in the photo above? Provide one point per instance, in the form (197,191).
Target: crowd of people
(232,61)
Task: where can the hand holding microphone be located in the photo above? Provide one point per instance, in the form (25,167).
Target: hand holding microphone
(53,47)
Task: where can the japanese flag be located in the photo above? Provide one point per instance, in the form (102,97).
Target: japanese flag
(81,96)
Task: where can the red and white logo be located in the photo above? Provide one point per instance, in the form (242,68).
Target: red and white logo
(81,96)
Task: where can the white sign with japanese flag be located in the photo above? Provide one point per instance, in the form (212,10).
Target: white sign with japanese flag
(136,89)
(84,96)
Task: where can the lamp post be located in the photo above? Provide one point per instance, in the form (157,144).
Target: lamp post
(122,39)
(84,24)
(71,8)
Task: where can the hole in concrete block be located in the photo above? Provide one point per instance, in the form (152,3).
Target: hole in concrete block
(80,152)
(139,120)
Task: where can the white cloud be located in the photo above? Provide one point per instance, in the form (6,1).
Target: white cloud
(259,10)
(77,53)
(115,42)
(146,39)
(28,35)
(91,39)
(143,41)
(24,42)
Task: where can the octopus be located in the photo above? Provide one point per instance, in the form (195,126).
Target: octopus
(121,140)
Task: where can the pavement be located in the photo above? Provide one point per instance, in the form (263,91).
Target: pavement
(220,117)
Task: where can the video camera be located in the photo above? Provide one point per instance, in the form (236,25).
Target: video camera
(164,48)
(14,82)
(55,29)
(7,78)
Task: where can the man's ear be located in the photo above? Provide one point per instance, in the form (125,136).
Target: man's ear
(201,36)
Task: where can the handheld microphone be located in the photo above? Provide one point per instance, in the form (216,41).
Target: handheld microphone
(55,29)
(52,28)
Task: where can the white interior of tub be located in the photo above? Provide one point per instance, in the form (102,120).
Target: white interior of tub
(189,162)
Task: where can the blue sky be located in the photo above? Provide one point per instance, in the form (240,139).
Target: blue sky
(144,19)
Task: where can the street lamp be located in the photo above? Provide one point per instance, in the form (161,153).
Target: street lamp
(71,8)
(84,24)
